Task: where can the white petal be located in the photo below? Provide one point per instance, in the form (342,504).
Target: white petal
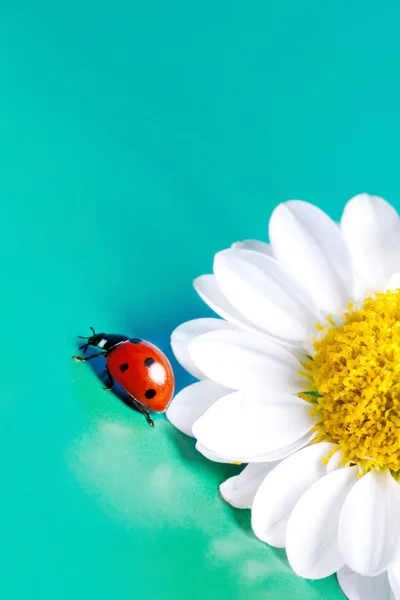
(240,490)
(183,334)
(281,490)
(311,535)
(358,587)
(393,283)
(310,247)
(285,451)
(209,291)
(334,462)
(241,360)
(259,289)
(241,428)
(370,525)
(211,455)
(274,457)
(192,402)
(255,245)
(394,578)
(370,226)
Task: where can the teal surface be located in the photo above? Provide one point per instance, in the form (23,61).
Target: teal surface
(136,139)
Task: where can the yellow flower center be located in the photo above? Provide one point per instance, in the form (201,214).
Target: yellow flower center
(355,374)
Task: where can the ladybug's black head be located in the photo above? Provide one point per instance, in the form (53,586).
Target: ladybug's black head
(105,341)
(92,340)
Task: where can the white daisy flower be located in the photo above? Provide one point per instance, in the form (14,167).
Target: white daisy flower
(300,379)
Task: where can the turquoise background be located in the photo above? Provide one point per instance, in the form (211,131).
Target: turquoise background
(136,139)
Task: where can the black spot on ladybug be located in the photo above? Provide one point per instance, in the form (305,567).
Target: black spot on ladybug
(149,361)
(135,340)
(124,367)
(150,394)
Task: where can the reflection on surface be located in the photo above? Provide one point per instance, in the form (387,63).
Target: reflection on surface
(157,489)
(155,484)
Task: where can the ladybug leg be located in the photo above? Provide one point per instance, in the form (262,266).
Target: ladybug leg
(137,406)
(86,358)
(110,383)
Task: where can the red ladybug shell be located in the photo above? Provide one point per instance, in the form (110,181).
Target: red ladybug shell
(144,372)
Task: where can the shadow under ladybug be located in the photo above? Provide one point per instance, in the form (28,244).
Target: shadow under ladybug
(140,368)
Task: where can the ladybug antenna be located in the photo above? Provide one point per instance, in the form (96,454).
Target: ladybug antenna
(89,338)
(86,337)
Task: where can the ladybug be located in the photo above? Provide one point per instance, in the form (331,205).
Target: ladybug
(139,367)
